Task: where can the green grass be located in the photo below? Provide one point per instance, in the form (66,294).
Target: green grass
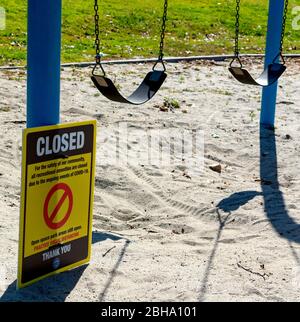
(130,28)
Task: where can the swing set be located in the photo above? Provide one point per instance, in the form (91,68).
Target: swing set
(154,80)
(48,96)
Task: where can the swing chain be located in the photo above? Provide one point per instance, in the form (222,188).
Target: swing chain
(237,33)
(162,38)
(280,54)
(97,33)
(237,30)
(286,7)
(97,40)
(163,32)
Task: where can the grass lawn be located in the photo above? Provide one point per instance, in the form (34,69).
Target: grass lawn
(130,28)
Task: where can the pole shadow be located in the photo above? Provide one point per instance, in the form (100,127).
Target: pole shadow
(55,288)
(274,203)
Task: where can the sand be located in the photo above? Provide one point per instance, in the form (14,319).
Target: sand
(173,232)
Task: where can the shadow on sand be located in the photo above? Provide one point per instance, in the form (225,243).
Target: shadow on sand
(50,289)
(274,204)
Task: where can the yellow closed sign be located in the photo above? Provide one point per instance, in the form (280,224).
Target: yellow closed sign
(57,199)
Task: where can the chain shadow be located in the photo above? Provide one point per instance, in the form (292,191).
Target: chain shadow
(113,272)
(210,261)
(227,205)
(55,288)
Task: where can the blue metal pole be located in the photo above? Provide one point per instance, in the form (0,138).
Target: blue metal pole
(43,62)
(269,95)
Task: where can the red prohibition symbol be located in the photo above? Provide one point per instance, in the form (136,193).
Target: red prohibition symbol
(66,197)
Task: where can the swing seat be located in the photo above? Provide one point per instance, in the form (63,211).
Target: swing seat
(147,89)
(269,76)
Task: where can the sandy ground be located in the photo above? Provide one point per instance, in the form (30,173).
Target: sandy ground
(173,233)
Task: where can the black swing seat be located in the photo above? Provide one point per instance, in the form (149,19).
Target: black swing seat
(269,76)
(147,89)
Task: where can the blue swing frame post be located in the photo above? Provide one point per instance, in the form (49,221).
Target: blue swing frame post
(269,94)
(43,62)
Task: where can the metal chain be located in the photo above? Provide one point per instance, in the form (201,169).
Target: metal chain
(163,31)
(286,7)
(237,30)
(97,33)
